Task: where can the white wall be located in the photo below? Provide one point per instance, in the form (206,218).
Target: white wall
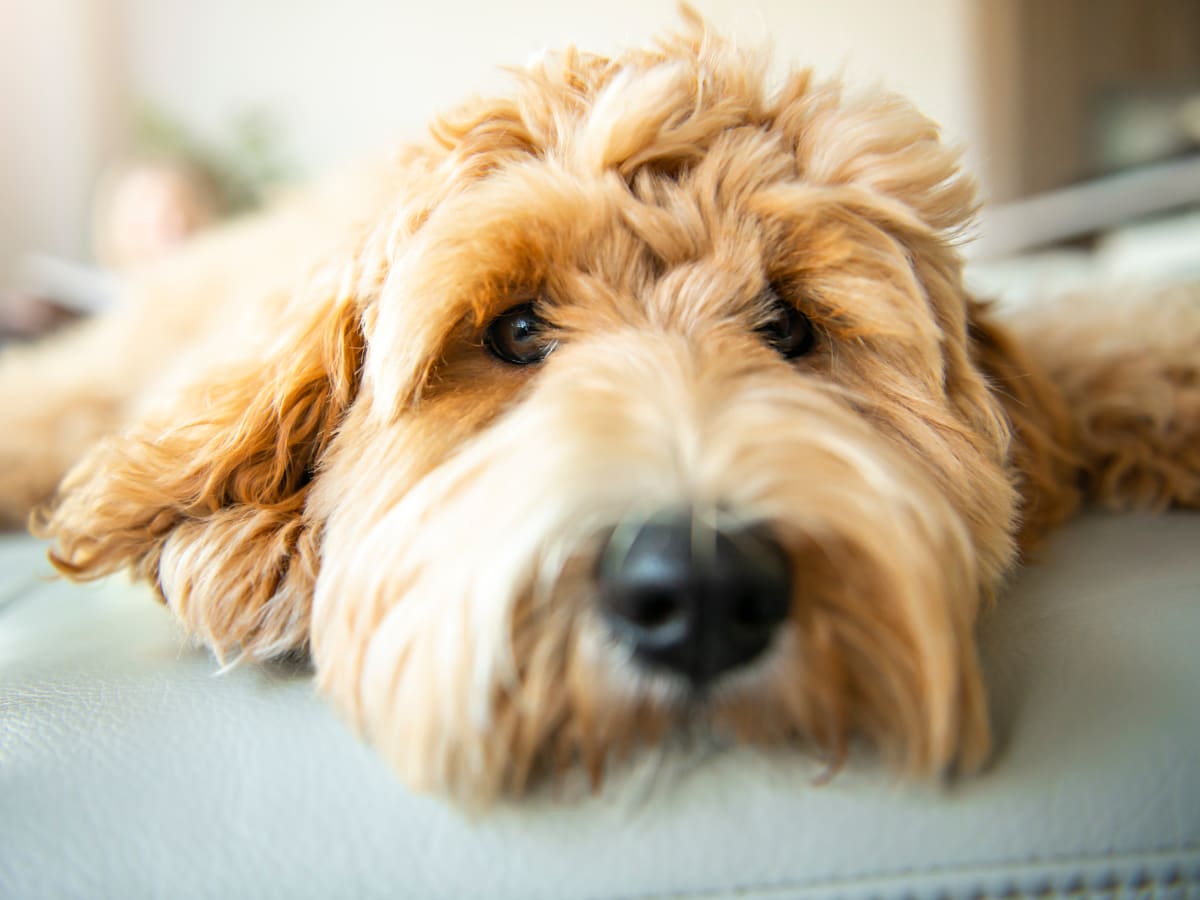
(352,74)
(347,76)
(58,111)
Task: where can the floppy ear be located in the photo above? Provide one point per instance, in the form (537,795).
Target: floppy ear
(1043,440)
(206,499)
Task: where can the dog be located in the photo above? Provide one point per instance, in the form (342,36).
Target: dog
(641,397)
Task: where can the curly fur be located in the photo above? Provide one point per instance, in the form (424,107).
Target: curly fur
(306,448)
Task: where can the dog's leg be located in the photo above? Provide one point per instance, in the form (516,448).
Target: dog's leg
(57,398)
(1129,373)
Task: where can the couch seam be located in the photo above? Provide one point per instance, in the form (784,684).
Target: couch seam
(1184,871)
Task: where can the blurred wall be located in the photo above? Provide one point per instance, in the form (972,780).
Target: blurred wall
(343,78)
(1075,89)
(59,115)
(352,74)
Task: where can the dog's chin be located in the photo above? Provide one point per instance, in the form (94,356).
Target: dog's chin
(460,629)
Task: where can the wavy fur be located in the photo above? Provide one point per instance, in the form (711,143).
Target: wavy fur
(308,447)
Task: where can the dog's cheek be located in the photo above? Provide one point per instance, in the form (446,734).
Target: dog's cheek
(469,689)
(962,466)
(949,427)
(888,579)
(465,679)
(880,647)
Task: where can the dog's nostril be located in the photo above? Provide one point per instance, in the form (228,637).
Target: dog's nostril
(653,608)
(693,598)
(749,611)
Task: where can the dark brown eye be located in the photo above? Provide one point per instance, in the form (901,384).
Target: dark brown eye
(786,328)
(518,336)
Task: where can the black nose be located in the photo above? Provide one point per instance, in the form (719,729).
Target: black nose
(692,598)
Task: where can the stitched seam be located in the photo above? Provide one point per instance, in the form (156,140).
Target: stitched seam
(1183,872)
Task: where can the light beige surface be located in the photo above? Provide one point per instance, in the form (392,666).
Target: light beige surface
(129,768)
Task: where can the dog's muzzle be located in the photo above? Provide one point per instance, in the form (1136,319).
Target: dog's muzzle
(694,598)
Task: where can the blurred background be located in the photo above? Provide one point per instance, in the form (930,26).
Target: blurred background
(130,124)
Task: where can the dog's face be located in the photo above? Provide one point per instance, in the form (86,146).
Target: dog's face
(655,404)
(668,418)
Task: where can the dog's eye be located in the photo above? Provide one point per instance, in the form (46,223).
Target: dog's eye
(518,336)
(787,329)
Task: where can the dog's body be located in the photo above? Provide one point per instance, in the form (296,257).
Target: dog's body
(642,398)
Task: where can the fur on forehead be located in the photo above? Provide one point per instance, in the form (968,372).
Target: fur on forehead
(578,125)
(664,109)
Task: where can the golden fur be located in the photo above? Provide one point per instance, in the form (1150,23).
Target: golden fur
(305,446)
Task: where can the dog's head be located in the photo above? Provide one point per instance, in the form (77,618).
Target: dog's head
(656,401)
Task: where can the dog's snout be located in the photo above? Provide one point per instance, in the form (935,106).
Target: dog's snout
(692,598)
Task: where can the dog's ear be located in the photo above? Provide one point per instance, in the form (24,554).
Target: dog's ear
(1041,452)
(206,499)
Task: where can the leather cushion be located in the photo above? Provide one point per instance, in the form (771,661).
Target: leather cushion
(129,767)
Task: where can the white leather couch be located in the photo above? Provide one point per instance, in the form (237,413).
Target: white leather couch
(129,767)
